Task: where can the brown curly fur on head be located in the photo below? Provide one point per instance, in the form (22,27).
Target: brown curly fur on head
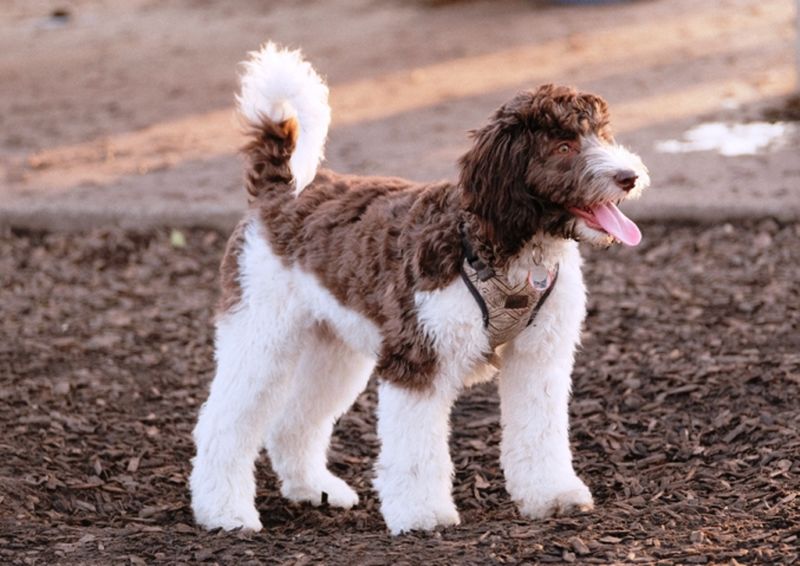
(509,181)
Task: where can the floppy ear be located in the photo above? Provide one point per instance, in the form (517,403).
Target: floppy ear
(494,183)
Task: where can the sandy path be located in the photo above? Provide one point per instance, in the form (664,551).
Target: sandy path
(124,114)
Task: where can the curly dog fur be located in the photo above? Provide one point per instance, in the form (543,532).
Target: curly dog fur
(331,277)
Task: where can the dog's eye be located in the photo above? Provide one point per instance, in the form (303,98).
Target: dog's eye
(564,148)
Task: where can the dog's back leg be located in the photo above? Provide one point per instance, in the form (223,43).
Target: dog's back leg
(252,365)
(257,347)
(327,379)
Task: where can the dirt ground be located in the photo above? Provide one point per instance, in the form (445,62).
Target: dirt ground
(685,415)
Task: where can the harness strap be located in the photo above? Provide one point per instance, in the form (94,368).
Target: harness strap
(478,298)
(506,309)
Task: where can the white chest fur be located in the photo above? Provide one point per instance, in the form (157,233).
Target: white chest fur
(453,320)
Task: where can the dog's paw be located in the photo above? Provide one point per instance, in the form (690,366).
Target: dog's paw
(406,517)
(245,518)
(337,492)
(569,500)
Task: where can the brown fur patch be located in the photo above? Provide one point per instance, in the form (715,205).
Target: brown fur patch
(269,150)
(230,286)
(324,331)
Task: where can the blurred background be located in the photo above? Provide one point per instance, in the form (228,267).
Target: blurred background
(123,111)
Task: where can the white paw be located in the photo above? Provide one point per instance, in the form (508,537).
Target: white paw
(575,498)
(406,516)
(338,493)
(244,517)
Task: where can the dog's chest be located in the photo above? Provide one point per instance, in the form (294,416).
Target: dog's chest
(472,318)
(507,308)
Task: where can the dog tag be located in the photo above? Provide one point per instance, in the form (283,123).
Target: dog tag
(539,278)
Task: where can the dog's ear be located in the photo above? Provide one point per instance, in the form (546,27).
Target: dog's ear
(493,177)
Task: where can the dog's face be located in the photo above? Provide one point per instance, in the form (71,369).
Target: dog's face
(548,157)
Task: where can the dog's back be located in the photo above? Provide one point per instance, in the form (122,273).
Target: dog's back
(350,231)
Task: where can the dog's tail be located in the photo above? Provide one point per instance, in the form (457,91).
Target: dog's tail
(284,104)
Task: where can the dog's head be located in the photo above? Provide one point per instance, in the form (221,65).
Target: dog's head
(547,160)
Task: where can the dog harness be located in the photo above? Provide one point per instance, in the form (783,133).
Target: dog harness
(507,309)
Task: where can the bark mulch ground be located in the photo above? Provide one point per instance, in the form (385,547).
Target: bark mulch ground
(686,414)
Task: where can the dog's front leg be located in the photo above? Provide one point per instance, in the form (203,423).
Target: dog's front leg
(414,473)
(535,451)
(534,387)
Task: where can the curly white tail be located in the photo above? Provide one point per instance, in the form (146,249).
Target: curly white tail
(278,84)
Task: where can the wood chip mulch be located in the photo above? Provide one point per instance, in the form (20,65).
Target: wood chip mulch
(686,414)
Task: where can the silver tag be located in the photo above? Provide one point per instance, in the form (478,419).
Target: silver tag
(539,277)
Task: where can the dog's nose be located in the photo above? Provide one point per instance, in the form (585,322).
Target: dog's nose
(626,179)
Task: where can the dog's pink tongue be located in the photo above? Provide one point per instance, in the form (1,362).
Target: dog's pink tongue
(617,224)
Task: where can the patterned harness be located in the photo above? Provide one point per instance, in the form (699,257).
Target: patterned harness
(507,309)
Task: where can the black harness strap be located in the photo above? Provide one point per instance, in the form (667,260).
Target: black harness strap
(477,296)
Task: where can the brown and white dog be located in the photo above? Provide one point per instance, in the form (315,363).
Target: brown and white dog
(330,278)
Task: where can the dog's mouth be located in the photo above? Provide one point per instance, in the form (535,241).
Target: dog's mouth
(609,219)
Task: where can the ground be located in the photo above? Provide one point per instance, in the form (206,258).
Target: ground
(685,420)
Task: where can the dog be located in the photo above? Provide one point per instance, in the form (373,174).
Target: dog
(432,288)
